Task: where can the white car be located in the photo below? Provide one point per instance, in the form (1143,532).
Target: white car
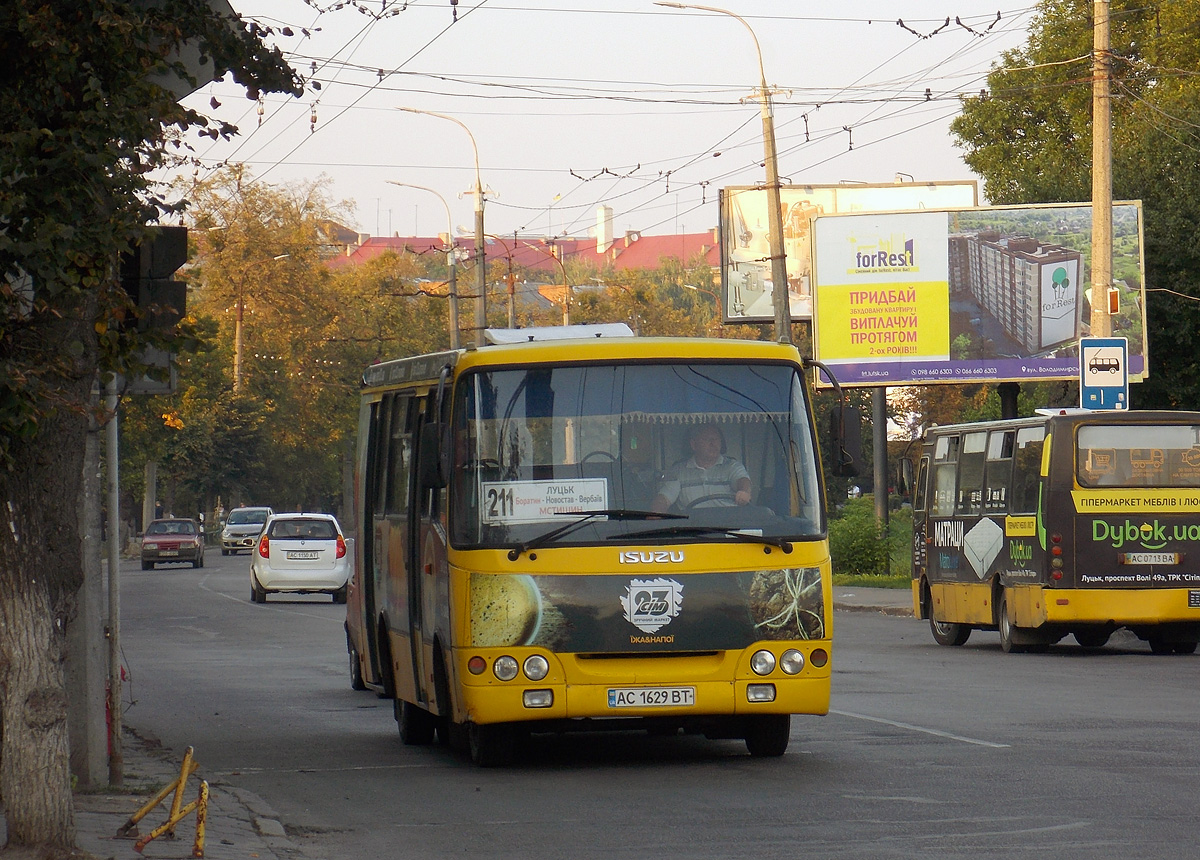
(242,529)
(300,554)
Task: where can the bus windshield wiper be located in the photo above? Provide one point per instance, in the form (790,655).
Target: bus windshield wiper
(610,513)
(682,531)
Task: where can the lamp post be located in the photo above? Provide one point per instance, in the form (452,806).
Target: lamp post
(451,261)
(480,268)
(566,285)
(237,325)
(779,284)
(716,298)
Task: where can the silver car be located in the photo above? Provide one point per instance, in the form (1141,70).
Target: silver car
(242,529)
(300,554)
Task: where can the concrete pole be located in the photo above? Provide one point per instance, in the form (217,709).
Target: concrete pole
(779,282)
(1101,170)
(480,261)
(87,659)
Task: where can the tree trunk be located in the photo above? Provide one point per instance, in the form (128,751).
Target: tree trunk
(40,573)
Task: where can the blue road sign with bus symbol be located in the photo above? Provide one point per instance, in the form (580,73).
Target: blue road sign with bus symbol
(1104,373)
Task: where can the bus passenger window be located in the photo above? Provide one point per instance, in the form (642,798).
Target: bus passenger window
(1027,469)
(999,471)
(970,474)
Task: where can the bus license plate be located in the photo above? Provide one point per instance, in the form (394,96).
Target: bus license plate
(305,554)
(652,697)
(1150,558)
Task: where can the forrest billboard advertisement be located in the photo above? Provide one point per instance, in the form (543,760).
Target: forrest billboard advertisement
(746,286)
(971,295)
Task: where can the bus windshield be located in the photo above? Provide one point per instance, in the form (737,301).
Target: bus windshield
(677,451)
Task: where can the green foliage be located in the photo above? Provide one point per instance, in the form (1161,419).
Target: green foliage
(1029,137)
(863,554)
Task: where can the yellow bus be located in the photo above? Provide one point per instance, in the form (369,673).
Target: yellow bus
(550,539)
(1056,524)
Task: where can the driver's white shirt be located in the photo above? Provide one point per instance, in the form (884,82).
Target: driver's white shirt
(688,481)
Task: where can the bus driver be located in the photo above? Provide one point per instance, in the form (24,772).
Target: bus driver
(705,480)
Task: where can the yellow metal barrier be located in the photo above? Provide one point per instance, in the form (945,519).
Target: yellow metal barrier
(178,811)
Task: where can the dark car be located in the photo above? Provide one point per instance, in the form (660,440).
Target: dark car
(172,540)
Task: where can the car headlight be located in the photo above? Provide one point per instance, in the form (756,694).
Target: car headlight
(149,546)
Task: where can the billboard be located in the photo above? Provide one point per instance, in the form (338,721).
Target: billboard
(746,284)
(987,294)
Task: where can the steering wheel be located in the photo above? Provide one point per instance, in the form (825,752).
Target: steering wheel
(599,455)
(715,497)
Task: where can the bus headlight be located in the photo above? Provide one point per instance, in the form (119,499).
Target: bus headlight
(763,662)
(536,667)
(505,668)
(760,693)
(792,661)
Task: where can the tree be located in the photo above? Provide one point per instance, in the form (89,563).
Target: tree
(1029,136)
(82,127)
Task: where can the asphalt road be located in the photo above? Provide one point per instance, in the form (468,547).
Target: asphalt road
(929,751)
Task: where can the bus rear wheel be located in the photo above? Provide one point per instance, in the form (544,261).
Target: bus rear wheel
(767,735)
(1092,638)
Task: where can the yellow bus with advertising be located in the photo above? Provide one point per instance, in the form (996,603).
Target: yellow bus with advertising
(577,531)
(1069,522)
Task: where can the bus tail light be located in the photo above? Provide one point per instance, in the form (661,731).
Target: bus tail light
(264,546)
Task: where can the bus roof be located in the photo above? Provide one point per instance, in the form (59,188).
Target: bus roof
(566,351)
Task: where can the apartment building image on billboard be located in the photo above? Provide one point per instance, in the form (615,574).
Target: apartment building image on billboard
(1030,287)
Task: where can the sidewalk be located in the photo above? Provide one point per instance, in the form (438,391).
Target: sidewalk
(889,601)
(241,826)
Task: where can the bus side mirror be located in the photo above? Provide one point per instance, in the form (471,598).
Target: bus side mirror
(845,433)
(433,468)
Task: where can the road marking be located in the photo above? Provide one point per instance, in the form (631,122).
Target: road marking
(203,584)
(938,732)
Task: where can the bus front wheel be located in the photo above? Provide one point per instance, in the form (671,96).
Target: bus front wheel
(416,723)
(492,745)
(947,632)
(767,735)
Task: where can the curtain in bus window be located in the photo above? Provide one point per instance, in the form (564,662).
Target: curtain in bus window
(999,471)
(1027,469)
(970,474)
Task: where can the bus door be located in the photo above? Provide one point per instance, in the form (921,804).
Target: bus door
(920,545)
(392,544)
(426,552)
(368,570)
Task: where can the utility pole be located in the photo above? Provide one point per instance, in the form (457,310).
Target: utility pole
(1101,323)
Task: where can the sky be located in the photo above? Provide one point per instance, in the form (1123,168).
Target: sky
(574,105)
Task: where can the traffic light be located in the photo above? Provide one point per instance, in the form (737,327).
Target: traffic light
(146,271)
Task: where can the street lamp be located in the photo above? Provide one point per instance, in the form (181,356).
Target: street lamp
(779,288)
(237,324)
(481,301)
(451,260)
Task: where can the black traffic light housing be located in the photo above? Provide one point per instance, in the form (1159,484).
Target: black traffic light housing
(146,271)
